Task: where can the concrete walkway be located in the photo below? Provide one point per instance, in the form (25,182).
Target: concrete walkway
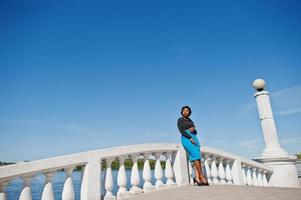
(222,192)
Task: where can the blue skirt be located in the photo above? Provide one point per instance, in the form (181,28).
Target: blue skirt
(193,150)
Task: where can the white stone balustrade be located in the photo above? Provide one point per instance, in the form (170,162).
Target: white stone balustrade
(48,193)
(207,169)
(214,171)
(190,172)
(264,179)
(228,173)
(135,177)
(3,184)
(158,172)
(218,166)
(109,181)
(122,180)
(26,191)
(243,172)
(221,171)
(225,168)
(147,175)
(249,176)
(259,177)
(68,190)
(169,173)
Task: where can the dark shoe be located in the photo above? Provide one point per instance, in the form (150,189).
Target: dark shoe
(207,184)
(198,183)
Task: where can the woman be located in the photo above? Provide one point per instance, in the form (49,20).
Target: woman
(191,144)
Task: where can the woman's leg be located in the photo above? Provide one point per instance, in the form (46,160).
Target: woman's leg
(198,172)
(197,176)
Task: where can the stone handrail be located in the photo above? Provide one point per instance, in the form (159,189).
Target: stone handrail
(60,162)
(220,168)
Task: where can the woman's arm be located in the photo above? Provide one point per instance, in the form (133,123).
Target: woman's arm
(185,134)
(191,139)
(182,127)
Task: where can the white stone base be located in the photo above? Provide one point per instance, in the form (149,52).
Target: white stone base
(122,193)
(284,171)
(109,197)
(161,187)
(148,187)
(170,183)
(135,190)
(274,152)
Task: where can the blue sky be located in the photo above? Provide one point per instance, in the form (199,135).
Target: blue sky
(84,75)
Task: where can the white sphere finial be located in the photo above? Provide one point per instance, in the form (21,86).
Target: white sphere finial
(259,84)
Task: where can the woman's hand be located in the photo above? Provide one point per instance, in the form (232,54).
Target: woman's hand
(192,129)
(193,142)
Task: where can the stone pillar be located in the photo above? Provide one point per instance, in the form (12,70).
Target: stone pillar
(272,146)
(273,155)
(180,166)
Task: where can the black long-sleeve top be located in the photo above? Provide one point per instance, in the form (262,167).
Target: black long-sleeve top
(183,125)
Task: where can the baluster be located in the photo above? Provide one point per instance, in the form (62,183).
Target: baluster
(169,171)
(228,173)
(48,193)
(254,176)
(122,180)
(3,184)
(147,174)
(91,187)
(135,177)
(243,171)
(190,171)
(158,172)
(214,171)
(207,168)
(249,176)
(26,191)
(203,168)
(173,157)
(221,171)
(109,181)
(264,179)
(259,177)
(82,173)
(68,190)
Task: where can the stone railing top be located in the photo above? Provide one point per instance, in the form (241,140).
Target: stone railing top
(223,154)
(9,172)
(72,160)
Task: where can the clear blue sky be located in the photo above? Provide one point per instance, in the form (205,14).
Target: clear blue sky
(84,75)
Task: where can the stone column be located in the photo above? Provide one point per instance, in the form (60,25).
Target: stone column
(272,146)
(273,155)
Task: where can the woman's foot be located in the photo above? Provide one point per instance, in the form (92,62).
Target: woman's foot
(199,183)
(198,179)
(204,180)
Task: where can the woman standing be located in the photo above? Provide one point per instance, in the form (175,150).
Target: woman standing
(191,144)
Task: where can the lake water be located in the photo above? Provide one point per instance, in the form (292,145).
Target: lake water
(14,188)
